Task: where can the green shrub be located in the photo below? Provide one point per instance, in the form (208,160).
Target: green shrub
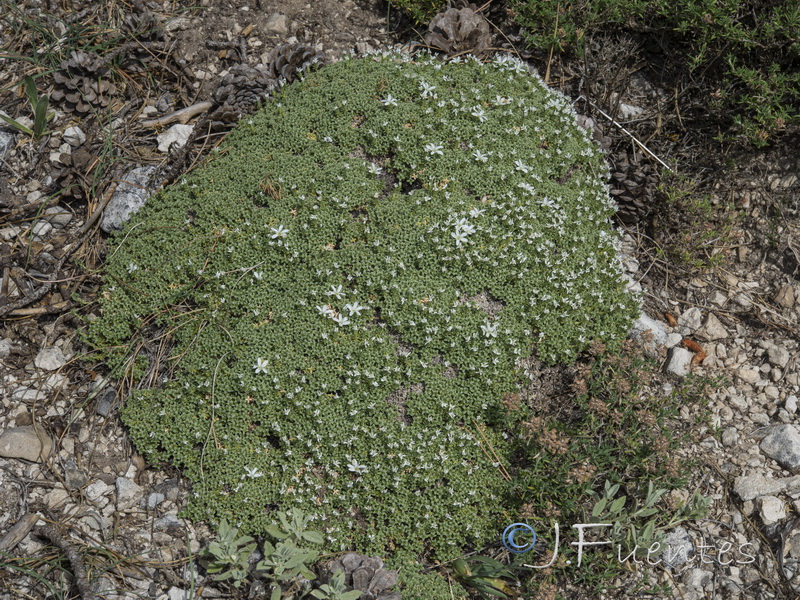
(748,53)
(421,11)
(339,300)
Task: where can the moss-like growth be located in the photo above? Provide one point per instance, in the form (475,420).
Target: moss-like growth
(350,287)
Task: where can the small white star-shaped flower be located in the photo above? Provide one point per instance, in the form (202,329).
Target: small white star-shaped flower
(279,232)
(354,309)
(336,290)
(389,100)
(521,166)
(476,212)
(433,149)
(374,169)
(490,329)
(260,366)
(341,320)
(480,156)
(326,311)
(355,467)
(478,112)
(253,473)
(459,237)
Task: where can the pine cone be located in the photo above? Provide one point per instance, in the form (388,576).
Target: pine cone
(285,60)
(72,179)
(455,31)
(145,27)
(367,575)
(244,87)
(633,183)
(81,83)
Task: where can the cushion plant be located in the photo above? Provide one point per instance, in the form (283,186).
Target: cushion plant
(334,306)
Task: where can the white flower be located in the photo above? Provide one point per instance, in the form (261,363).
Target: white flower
(478,112)
(433,149)
(476,212)
(459,237)
(521,166)
(336,290)
(258,275)
(132,267)
(490,329)
(326,311)
(427,89)
(341,320)
(260,366)
(355,467)
(279,232)
(389,100)
(501,101)
(354,309)
(480,156)
(374,169)
(253,473)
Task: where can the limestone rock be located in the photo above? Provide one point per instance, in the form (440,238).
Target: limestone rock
(50,359)
(782,444)
(129,197)
(128,493)
(651,333)
(690,321)
(26,442)
(174,137)
(750,487)
(277,24)
(785,296)
(771,509)
(680,360)
(712,329)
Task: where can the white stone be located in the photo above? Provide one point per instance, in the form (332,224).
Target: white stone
(277,24)
(97,490)
(791,404)
(130,195)
(644,328)
(59,217)
(712,329)
(752,486)
(679,361)
(748,375)
(778,356)
(50,359)
(41,229)
(74,136)
(785,296)
(128,493)
(6,142)
(771,509)
(782,444)
(690,320)
(174,137)
(26,442)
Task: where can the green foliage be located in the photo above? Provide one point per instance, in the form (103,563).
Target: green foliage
(336,589)
(696,230)
(226,558)
(641,528)
(748,53)
(350,288)
(421,11)
(484,575)
(285,566)
(38,108)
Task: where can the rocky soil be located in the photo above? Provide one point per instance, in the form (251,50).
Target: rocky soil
(65,458)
